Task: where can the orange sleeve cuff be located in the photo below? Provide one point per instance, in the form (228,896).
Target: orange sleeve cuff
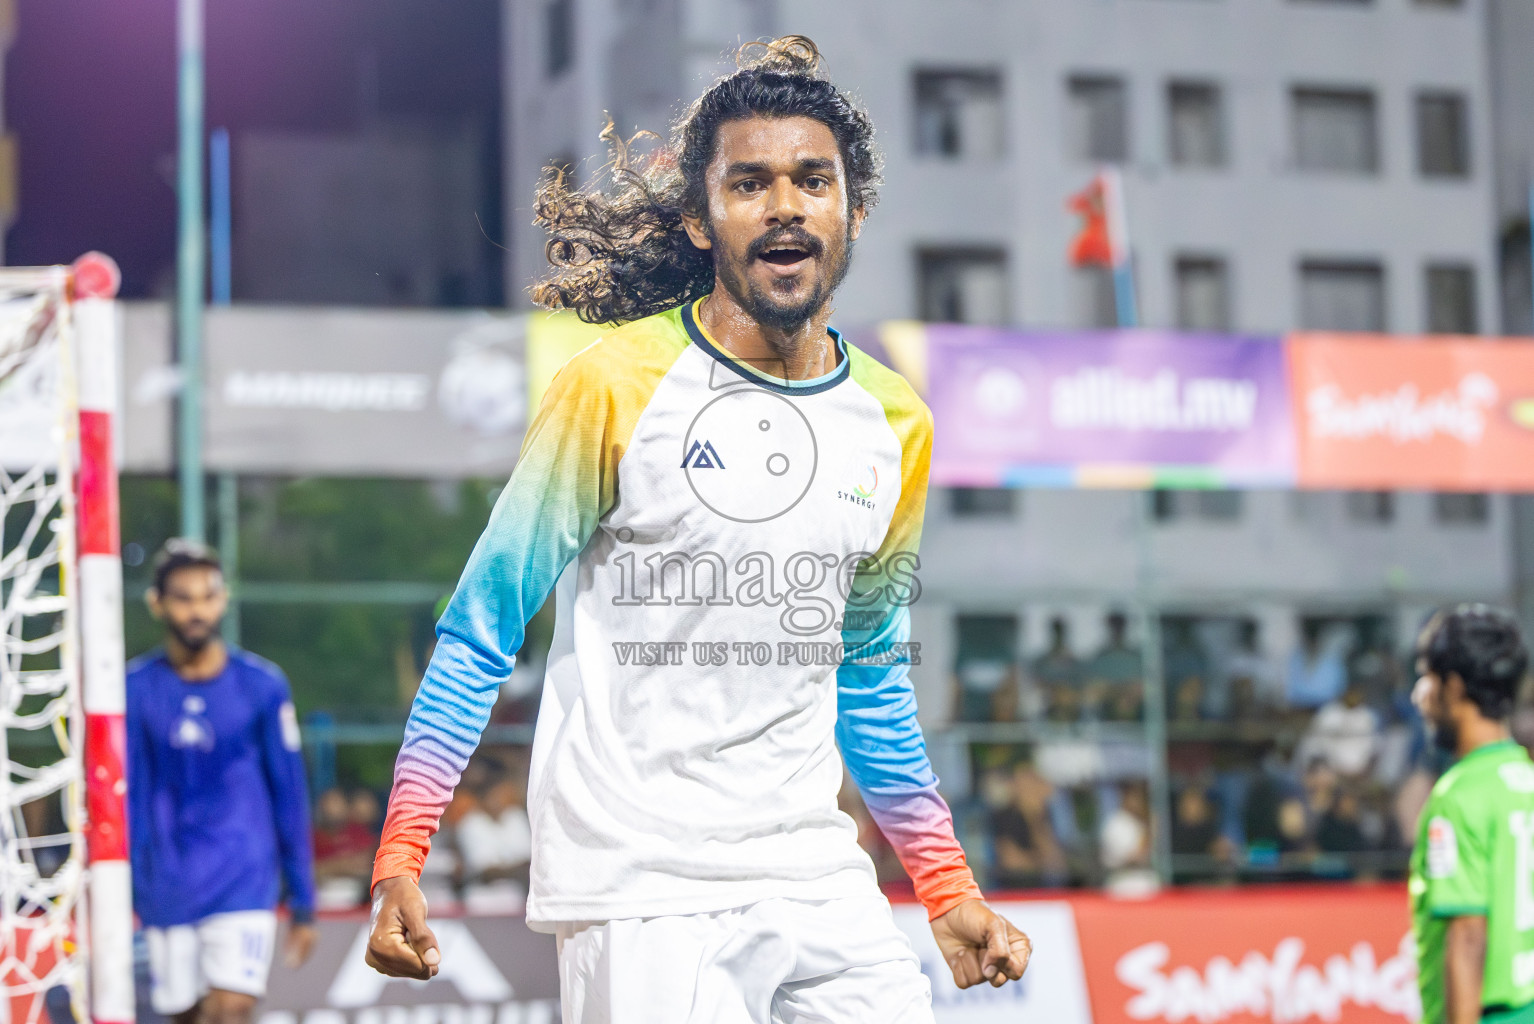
(394,864)
(943,894)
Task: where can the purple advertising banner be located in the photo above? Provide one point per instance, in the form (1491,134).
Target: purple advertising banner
(1107,408)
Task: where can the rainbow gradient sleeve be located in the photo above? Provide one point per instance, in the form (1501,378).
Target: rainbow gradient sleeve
(876,728)
(565,479)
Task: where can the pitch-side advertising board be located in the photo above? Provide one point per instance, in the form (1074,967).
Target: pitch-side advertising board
(1167,409)
(1041,409)
(1285,955)
(1449,414)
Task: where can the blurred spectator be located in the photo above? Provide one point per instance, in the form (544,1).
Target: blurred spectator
(1274,819)
(1057,674)
(887,868)
(520,693)
(1320,787)
(1124,843)
(366,815)
(1344,735)
(986,672)
(343,845)
(1253,686)
(1318,670)
(440,873)
(1340,828)
(1027,853)
(1186,670)
(1375,670)
(345,839)
(1196,826)
(1125,838)
(987,690)
(495,844)
(1115,677)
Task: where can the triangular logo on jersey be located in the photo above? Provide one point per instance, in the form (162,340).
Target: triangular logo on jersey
(702,456)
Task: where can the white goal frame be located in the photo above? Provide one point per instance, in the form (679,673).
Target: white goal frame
(84,920)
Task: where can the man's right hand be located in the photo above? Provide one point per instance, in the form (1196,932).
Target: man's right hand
(400,945)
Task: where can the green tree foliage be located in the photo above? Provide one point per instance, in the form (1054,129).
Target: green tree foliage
(353,660)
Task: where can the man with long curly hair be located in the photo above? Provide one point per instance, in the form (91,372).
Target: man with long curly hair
(726,498)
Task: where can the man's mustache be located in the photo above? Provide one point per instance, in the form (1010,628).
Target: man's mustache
(797,237)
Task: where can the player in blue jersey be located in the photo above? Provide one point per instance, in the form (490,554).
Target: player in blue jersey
(218,809)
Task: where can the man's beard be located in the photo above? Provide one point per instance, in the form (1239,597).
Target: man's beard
(1445,734)
(760,305)
(194,644)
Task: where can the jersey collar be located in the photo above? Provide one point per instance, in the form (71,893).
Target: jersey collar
(813,386)
(1496,746)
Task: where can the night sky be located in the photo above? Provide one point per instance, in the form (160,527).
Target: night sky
(90,94)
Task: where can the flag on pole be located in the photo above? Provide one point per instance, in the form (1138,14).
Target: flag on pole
(1091,247)
(1103,240)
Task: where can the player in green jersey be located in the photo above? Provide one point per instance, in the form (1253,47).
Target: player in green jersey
(1472,870)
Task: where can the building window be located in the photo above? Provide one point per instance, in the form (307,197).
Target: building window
(1443,135)
(1098,120)
(1515,271)
(1203,293)
(983,502)
(1377,507)
(1220,506)
(958,113)
(1450,299)
(1462,509)
(963,286)
(1335,130)
(1342,296)
(1195,125)
(558,36)
(985,666)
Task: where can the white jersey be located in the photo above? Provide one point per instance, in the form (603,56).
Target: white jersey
(735,555)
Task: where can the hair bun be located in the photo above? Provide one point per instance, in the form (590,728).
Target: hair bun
(793,55)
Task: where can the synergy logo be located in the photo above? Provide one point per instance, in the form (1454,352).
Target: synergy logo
(863,493)
(868,492)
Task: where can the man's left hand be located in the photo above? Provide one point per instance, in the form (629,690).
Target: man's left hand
(979,944)
(299,944)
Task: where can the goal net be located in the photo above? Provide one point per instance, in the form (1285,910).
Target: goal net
(65,904)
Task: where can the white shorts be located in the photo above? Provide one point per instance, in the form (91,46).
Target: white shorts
(775,962)
(230,951)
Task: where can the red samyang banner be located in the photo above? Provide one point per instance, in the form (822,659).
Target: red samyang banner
(1281,955)
(1378,411)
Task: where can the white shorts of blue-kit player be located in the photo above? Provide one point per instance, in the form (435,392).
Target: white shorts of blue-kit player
(230,951)
(779,961)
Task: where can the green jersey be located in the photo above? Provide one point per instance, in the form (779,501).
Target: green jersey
(1475,858)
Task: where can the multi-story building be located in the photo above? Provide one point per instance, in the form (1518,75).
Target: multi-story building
(1510,25)
(7,141)
(1288,164)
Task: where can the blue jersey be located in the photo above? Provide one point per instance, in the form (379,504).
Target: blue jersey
(217,801)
